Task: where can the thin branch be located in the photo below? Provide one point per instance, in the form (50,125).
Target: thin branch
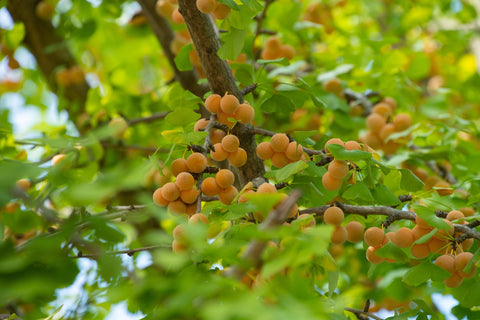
(130,252)
(148,119)
(248,89)
(353,96)
(259,18)
(361,312)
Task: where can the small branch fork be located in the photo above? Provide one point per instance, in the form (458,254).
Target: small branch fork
(130,252)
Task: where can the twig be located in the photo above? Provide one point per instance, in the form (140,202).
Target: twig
(130,252)
(359,98)
(151,118)
(248,89)
(362,312)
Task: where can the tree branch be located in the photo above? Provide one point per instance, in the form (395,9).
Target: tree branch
(50,51)
(148,119)
(361,312)
(162,30)
(130,252)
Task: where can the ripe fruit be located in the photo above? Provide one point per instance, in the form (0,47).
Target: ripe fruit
(224,178)
(177,206)
(44,10)
(170,191)
(333,216)
(227,195)
(229,103)
(279,142)
(352,145)
(333,141)
(158,199)
(178,247)
(462,259)
(206,6)
(372,257)
(198,217)
(354,231)
(454,215)
(221,12)
(333,86)
(224,118)
(238,158)
(454,281)
(177,17)
(375,122)
(330,183)
(338,169)
(420,251)
(212,103)
(403,238)
(200,124)
(164,8)
(230,143)
(339,235)
(382,109)
(446,262)
(374,237)
(245,113)
(294,151)
(118,126)
(266,188)
(209,187)
(264,150)
(287,51)
(59,159)
(178,165)
(189,196)
(184,181)
(196,162)
(23,184)
(216,136)
(219,154)
(402,121)
(279,159)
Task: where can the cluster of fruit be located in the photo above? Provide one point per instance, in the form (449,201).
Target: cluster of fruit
(181,196)
(228,107)
(456,264)
(280,150)
(353,231)
(218,10)
(274,49)
(180,241)
(221,185)
(266,188)
(70,76)
(381,125)
(169,9)
(337,170)
(229,148)
(441,186)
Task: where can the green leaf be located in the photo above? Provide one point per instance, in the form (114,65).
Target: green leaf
(358,192)
(419,66)
(429,216)
(244,73)
(15,36)
(241,17)
(409,181)
(285,173)
(281,61)
(278,103)
(182,117)
(427,236)
(393,252)
(239,210)
(384,196)
(253,4)
(232,4)
(332,282)
(182,59)
(423,272)
(264,202)
(232,43)
(340,153)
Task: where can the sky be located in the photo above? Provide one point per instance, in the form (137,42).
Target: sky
(25,117)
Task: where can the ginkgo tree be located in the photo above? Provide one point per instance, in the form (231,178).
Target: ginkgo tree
(273,159)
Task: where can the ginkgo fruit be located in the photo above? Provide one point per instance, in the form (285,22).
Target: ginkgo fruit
(206,6)
(266,188)
(198,217)
(375,122)
(230,143)
(189,196)
(279,142)
(245,113)
(219,154)
(229,103)
(224,178)
(177,206)
(402,121)
(446,262)
(227,195)
(221,12)
(355,231)
(374,237)
(330,183)
(178,165)
(294,151)
(212,103)
(279,159)
(237,158)
(184,181)
(333,216)
(403,237)
(158,199)
(339,235)
(264,150)
(170,191)
(209,187)
(338,169)
(196,162)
